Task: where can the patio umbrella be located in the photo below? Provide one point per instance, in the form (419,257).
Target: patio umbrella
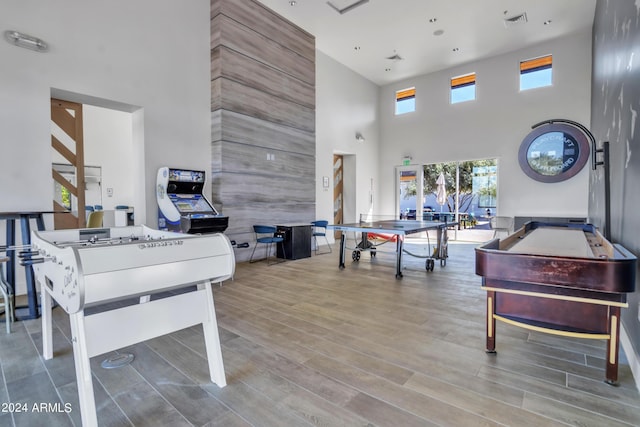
(441,191)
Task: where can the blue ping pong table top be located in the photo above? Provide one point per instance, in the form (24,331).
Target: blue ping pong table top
(400,227)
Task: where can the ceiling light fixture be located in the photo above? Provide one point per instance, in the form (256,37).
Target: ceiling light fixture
(293,3)
(516,20)
(359,137)
(433,20)
(395,57)
(347,8)
(547,22)
(26,41)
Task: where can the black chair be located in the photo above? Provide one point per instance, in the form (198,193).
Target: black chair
(320,230)
(265,234)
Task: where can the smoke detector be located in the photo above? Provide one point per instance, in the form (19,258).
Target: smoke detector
(515,20)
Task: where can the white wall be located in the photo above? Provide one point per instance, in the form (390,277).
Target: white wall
(492,126)
(150,57)
(108,143)
(346,103)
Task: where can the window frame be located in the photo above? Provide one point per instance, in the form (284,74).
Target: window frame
(405,95)
(535,65)
(462,81)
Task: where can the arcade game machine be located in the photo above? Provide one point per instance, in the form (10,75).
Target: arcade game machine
(181,205)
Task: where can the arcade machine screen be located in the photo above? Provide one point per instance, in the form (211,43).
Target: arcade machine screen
(190,206)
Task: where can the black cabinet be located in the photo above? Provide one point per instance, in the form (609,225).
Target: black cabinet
(297,241)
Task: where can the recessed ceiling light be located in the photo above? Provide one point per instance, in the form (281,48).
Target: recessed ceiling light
(438,32)
(356,48)
(433,20)
(547,22)
(455,49)
(387,69)
(293,3)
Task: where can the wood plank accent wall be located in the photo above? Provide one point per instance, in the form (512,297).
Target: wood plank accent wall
(263,119)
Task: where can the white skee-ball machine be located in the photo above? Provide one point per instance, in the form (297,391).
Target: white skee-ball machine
(85,268)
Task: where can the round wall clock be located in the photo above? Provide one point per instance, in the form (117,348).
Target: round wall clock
(553,152)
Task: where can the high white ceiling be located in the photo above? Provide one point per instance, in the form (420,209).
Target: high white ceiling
(363,37)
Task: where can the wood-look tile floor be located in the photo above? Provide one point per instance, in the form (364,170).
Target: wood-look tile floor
(305,343)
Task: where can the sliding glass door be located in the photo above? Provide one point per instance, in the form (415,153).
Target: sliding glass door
(409,191)
(469,187)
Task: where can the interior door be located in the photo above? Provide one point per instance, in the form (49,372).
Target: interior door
(338,201)
(68,147)
(409,192)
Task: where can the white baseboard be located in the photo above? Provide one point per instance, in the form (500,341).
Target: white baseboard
(632,357)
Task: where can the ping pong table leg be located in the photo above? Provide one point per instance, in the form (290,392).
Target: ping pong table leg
(343,244)
(399,242)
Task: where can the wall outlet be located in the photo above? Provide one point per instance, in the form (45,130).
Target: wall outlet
(109,192)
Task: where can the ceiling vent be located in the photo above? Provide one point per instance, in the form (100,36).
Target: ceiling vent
(343,7)
(515,20)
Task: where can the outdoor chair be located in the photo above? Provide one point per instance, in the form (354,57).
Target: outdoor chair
(502,224)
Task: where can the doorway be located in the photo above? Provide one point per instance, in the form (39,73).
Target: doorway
(409,193)
(470,190)
(67,143)
(93,190)
(338,192)
(112,136)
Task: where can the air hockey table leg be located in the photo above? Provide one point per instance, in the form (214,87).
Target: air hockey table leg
(83,370)
(491,322)
(212,339)
(613,346)
(47,325)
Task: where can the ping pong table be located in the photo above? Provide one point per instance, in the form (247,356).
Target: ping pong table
(390,230)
